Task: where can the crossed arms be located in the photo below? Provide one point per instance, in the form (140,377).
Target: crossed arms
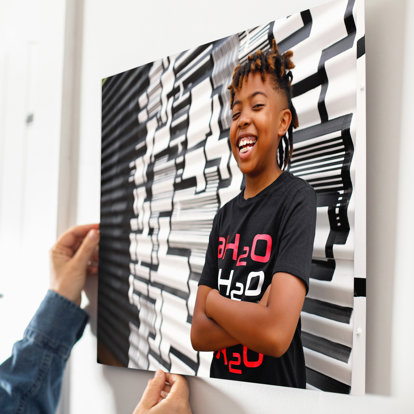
(266,327)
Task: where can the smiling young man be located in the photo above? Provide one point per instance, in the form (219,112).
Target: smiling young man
(258,261)
(259,110)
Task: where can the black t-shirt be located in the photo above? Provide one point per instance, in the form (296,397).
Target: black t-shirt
(250,241)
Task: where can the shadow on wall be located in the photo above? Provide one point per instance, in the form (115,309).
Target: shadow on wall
(127,386)
(91,290)
(382,181)
(208,393)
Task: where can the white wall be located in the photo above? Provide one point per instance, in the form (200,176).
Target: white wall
(124,34)
(31,65)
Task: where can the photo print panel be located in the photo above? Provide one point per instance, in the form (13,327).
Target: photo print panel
(167,168)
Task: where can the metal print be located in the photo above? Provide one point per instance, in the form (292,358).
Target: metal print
(167,167)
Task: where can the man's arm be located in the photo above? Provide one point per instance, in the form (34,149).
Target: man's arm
(30,380)
(207,335)
(268,330)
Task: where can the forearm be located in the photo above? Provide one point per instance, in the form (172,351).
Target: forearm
(251,324)
(207,335)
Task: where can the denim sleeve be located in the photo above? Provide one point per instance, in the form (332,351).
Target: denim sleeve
(30,380)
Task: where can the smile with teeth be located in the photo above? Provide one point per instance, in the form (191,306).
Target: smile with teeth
(246,143)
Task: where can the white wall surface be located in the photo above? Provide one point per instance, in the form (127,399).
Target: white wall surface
(31,65)
(124,34)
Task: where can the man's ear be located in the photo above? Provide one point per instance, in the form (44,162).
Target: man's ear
(285,120)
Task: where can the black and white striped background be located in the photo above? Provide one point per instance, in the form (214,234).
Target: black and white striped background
(167,168)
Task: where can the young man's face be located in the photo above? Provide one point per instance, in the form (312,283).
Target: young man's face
(259,119)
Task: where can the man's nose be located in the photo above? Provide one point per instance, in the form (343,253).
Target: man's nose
(244,120)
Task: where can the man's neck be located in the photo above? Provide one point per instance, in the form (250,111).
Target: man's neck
(254,185)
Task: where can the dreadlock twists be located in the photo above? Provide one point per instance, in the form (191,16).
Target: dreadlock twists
(278,67)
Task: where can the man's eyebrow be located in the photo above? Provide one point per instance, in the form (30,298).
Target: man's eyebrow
(257,93)
(250,97)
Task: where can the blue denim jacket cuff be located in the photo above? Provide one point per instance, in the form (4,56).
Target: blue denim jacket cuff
(57,324)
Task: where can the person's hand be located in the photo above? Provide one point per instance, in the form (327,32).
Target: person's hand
(165,394)
(74,255)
